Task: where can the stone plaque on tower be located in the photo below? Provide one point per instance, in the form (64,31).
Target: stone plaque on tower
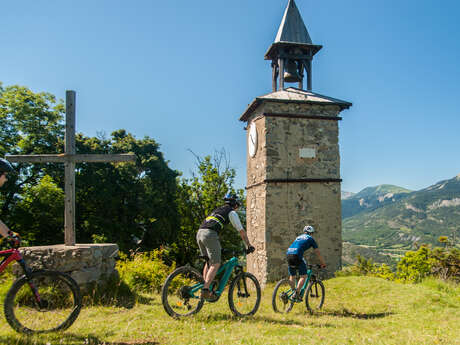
(293,161)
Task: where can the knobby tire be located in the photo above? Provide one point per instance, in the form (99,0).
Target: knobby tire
(174,292)
(314,296)
(281,302)
(61,303)
(236,286)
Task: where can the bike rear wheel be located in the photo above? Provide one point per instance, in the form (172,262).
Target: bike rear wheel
(181,292)
(283,297)
(314,296)
(56,308)
(244,294)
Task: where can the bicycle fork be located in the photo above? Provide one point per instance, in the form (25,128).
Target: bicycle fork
(315,286)
(41,304)
(245,294)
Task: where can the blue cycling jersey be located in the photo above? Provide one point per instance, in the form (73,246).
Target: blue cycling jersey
(301,244)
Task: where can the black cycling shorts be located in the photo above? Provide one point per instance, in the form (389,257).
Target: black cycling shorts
(296,263)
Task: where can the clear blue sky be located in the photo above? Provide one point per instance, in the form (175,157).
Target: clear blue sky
(182,72)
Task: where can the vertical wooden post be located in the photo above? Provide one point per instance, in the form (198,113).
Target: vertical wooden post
(69,226)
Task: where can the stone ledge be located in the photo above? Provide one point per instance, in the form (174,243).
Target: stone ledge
(86,263)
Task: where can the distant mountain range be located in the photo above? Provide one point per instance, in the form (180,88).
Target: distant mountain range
(371,198)
(388,220)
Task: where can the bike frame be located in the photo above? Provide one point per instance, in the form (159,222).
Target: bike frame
(304,287)
(13,254)
(9,256)
(227,270)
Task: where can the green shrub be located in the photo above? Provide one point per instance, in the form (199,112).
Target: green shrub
(413,267)
(367,267)
(145,272)
(446,264)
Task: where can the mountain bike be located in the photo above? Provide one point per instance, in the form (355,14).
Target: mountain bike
(39,301)
(181,292)
(284,298)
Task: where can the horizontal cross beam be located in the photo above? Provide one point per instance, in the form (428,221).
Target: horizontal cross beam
(67,158)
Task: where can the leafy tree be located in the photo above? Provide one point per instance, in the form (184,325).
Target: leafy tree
(197,197)
(41,204)
(122,201)
(115,202)
(29,123)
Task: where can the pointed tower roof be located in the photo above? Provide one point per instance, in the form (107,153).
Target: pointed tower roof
(292,28)
(292,33)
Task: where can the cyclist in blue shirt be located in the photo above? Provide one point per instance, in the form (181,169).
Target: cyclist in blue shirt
(296,260)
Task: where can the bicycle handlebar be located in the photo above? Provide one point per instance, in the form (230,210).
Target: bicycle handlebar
(250,250)
(13,239)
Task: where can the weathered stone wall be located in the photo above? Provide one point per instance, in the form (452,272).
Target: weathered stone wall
(277,212)
(255,219)
(86,263)
(294,205)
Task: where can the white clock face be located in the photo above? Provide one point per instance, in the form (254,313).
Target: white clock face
(252,139)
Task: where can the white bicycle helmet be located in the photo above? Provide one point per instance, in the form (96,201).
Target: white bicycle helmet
(308,229)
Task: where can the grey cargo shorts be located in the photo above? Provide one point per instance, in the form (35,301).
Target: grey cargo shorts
(209,244)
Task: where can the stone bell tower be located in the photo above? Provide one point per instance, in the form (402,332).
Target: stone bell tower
(293,162)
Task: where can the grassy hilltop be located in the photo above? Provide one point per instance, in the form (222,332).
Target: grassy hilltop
(357,310)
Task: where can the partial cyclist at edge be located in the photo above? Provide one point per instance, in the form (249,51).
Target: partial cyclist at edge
(5,169)
(296,261)
(208,241)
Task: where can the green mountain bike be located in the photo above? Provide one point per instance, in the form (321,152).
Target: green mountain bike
(181,292)
(283,298)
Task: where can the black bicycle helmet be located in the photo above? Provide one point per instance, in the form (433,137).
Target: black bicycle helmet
(5,166)
(232,199)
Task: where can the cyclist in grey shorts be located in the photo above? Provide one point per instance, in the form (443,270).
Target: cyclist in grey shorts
(208,241)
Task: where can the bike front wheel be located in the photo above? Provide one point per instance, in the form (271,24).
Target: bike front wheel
(181,292)
(47,301)
(314,296)
(244,294)
(283,297)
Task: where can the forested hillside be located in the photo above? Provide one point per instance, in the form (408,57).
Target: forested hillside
(371,198)
(409,220)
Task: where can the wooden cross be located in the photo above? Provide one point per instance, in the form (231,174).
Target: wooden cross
(69,158)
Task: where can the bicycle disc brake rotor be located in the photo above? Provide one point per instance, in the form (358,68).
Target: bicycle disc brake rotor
(184,292)
(284,297)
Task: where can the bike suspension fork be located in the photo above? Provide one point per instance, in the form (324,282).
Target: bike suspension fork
(28,272)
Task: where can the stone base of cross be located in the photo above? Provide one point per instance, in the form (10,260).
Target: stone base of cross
(88,264)
(69,158)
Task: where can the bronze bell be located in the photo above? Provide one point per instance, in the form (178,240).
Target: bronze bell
(290,72)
